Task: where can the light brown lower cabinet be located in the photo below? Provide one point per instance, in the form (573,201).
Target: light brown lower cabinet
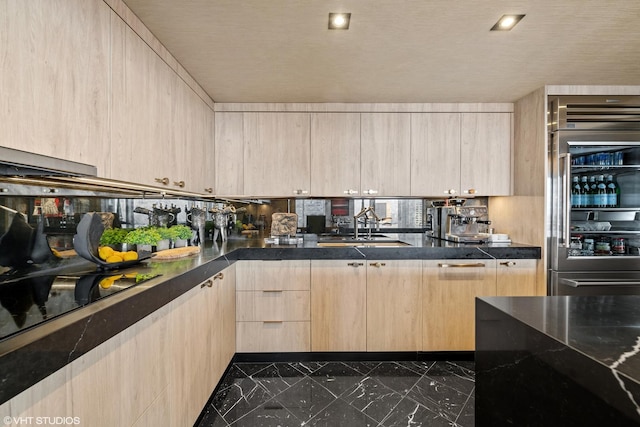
(516,277)
(273,306)
(159,371)
(394,305)
(449,289)
(338,305)
(273,336)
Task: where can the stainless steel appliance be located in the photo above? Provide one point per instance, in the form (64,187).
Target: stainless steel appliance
(594,236)
(461,224)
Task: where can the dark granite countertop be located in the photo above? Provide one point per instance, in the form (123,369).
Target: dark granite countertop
(591,341)
(43,345)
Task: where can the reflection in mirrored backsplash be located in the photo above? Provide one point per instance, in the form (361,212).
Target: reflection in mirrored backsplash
(61,214)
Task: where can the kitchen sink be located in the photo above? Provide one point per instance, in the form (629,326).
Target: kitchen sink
(371,243)
(374,240)
(350,238)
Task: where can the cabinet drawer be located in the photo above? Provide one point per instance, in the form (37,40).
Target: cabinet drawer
(273,337)
(272,305)
(284,275)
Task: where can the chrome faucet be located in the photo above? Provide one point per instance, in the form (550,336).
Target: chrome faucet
(367,213)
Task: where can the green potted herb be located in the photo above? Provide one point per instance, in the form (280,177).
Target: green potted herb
(144,238)
(181,235)
(165,238)
(115,238)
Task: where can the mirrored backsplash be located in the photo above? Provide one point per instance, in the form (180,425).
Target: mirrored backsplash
(61,214)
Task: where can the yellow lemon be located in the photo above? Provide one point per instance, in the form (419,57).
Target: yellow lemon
(105,252)
(130,256)
(114,258)
(107,282)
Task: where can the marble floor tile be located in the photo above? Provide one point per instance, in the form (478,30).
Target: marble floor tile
(337,377)
(439,398)
(353,394)
(371,397)
(305,399)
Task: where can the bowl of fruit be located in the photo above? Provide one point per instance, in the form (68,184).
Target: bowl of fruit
(86,243)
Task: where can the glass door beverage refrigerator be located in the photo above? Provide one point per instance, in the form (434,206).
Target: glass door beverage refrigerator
(594,236)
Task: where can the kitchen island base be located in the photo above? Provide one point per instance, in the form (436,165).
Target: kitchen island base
(556,361)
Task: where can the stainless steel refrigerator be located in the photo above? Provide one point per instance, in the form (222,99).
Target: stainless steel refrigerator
(594,236)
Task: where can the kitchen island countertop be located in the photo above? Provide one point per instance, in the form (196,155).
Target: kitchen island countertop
(562,360)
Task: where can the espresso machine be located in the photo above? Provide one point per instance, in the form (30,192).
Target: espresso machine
(459,223)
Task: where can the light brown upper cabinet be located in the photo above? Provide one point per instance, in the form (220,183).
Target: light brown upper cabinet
(460,154)
(335,154)
(276,154)
(162,131)
(55,80)
(142,136)
(191,151)
(485,154)
(435,154)
(385,151)
(228,157)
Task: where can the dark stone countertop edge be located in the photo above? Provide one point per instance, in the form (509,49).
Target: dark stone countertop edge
(614,383)
(32,355)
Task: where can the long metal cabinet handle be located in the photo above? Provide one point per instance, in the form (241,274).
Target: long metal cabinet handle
(578,283)
(272,291)
(355,264)
(473,264)
(208,283)
(377,264)
(565,199)
(508,263)
(218,276)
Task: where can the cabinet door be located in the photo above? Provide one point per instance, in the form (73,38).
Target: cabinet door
(435,154)
(394,307)
(226,347)
(335,154)
(276,154)
(190,166)
(385,151)
(449,291)
(516,277)
(142,99)
(228,157)
(56,79)
(195,349)
(486,154)
(338,305)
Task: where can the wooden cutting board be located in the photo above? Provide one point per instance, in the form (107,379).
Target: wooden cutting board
(177,253)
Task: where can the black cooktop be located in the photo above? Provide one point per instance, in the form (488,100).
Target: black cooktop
(33,299)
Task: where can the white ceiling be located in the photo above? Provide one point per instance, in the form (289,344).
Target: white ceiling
(396,50)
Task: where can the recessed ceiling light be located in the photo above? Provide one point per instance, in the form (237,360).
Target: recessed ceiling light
(339,21)
(507,22)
